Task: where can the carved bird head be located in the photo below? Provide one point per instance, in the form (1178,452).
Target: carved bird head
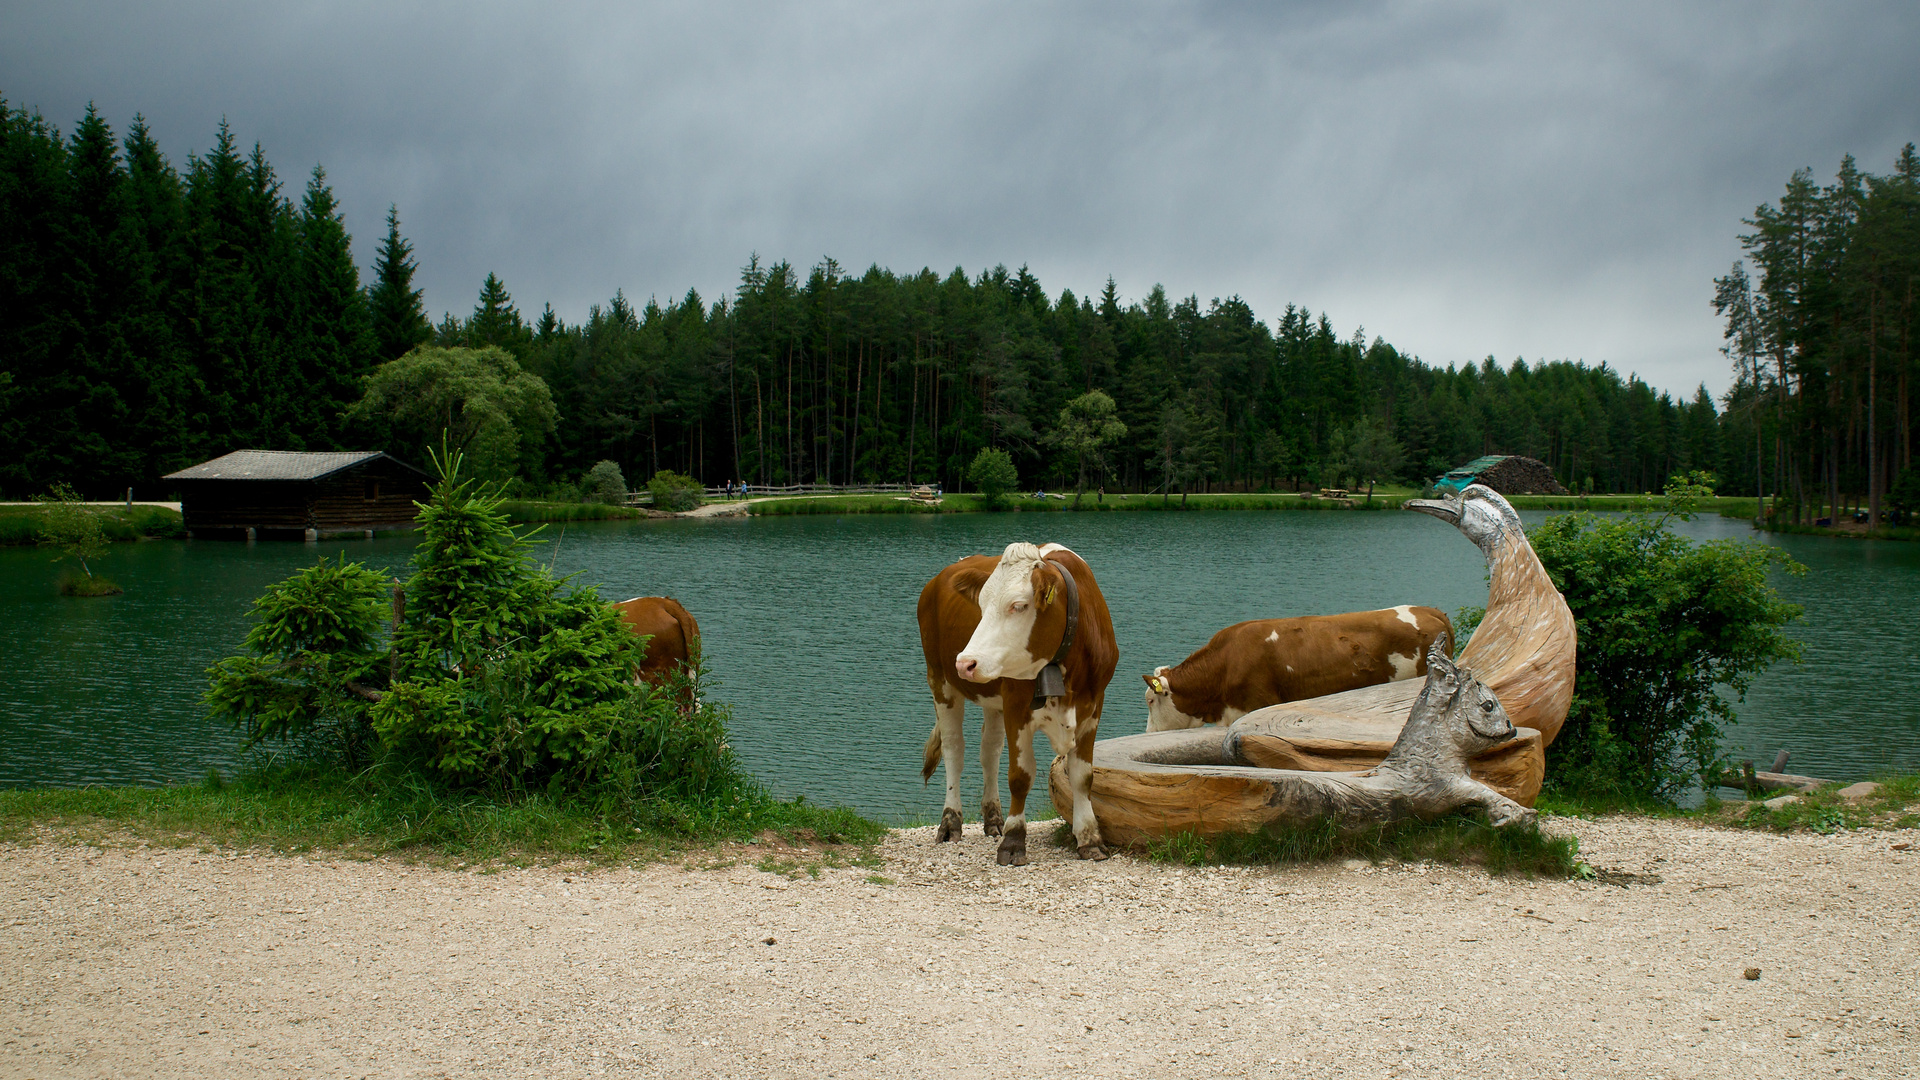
(1479,513)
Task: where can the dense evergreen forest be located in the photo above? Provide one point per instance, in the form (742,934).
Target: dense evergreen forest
(1822,340)
(154,316)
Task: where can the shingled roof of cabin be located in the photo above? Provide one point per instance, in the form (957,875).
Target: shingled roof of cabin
(280,465)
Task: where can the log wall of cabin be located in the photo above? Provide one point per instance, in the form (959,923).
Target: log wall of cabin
(244,504)
(378,495)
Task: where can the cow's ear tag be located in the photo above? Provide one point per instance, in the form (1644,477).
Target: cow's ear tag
(1047,600)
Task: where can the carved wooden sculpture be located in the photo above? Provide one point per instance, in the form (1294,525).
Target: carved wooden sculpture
(1303,760)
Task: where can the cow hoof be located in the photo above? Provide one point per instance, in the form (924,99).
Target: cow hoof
(992,820)
(1013,848)
(949,826)
(1093,852)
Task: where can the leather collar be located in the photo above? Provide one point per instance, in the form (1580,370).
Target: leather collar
(1053,681)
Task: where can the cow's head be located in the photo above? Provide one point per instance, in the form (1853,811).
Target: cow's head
(1023,616)
(1162,715)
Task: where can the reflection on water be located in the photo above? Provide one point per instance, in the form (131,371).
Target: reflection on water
(810,632)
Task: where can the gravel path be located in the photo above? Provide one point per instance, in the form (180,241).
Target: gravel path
(136,961)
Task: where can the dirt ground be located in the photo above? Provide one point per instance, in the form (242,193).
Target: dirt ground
(135,962)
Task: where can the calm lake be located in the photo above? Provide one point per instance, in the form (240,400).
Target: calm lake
(810,633)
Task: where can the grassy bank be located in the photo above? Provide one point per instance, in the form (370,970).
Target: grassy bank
(23,524)
(528,511)
(1885,533)
(1895,805)
(1089,503)
(1383,499)
(300,810)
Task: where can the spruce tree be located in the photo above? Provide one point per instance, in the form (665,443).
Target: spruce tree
(399,318)
(228,346)
(334,345)
(495,320)
(88,417)
(157,321)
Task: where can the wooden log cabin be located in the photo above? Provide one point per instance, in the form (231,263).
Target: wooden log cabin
(269,494)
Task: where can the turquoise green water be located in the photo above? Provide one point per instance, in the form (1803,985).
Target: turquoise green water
(810,632)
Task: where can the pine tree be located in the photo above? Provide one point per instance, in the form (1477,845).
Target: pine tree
(398,317)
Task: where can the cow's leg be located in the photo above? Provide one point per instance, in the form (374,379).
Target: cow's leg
(1072,738)
(992,734)
(949,712)
(1086,830)
(1013,842)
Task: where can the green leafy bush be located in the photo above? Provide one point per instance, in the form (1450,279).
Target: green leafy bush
(992,472)
(675,492)
(604,483)
(1664,623)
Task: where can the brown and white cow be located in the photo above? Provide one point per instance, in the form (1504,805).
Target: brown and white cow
(671,630)
(1252,665)
(1034,615)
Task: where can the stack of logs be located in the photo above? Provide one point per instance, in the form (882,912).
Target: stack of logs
(1521,476)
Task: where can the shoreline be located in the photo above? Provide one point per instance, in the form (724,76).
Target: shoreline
(162,520)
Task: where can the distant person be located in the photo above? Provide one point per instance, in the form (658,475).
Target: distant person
(1103,494)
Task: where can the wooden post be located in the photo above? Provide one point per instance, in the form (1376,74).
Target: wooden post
(399,616)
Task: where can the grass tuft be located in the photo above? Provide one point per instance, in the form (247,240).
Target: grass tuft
(1454,840)
(76,584)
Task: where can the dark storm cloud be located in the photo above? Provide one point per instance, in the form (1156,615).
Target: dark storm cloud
(1522,180)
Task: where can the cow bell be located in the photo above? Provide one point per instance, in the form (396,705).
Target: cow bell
(1051,683)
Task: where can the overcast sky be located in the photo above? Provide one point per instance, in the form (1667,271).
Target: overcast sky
(1522,180)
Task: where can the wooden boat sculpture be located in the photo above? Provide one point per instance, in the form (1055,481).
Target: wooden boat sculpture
(1383,752)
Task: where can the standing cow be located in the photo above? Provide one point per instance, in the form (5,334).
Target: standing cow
(1252,665)
(670,629)
(1029,638)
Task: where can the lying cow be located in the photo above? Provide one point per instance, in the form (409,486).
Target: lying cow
(1252,665)
(1028,637)
(671,631)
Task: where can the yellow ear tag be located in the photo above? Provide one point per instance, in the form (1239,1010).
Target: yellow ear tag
(1048,599)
